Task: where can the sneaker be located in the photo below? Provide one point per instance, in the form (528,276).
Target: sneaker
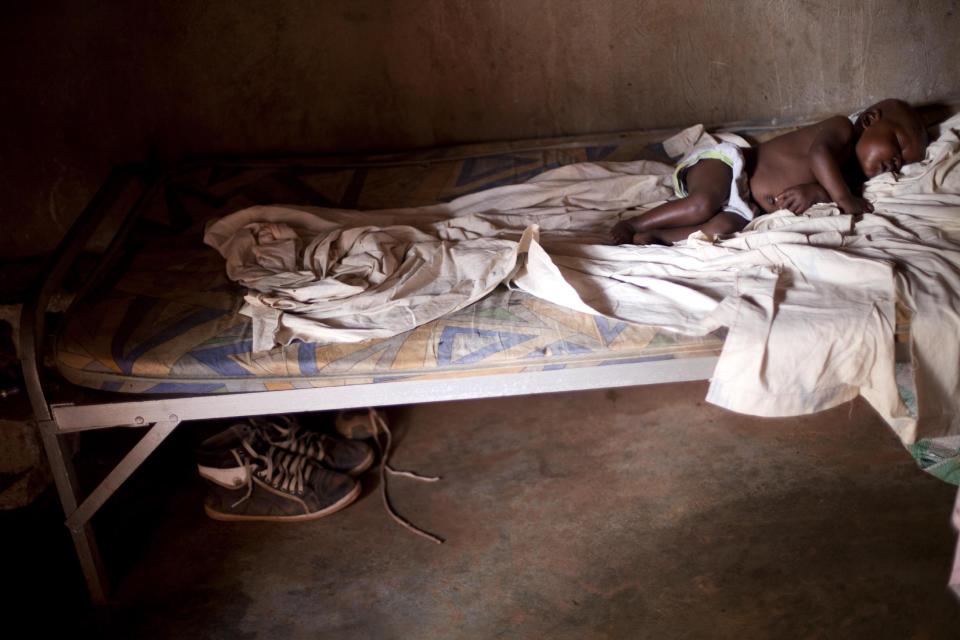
(346,456)
(357,424)
(249,479)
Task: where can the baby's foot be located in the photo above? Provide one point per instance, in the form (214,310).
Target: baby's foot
(645,237)
(622,233)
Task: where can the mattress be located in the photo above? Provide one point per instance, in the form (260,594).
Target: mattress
(166,319)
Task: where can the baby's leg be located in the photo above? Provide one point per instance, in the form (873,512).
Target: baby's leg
(708,188)
(722,224)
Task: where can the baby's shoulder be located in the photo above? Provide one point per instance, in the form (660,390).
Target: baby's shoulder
(834,132)
(838,124)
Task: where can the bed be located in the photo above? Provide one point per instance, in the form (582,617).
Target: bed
(150,336)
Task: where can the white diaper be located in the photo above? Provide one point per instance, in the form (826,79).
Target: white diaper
(732,156)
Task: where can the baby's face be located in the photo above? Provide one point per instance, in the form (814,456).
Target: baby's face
(888,144)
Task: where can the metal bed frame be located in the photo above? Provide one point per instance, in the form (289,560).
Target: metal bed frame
(160,416)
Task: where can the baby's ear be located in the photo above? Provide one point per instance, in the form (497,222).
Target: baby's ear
(869,117)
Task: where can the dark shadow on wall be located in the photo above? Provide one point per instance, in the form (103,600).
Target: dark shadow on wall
(96,85)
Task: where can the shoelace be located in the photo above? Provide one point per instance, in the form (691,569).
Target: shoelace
(281,469)
(297,439)
(378,425)
(308,443)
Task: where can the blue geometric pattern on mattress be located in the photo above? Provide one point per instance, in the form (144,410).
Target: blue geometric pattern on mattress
(169,321)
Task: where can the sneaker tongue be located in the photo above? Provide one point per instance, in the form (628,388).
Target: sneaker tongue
(262,433)
(272,429)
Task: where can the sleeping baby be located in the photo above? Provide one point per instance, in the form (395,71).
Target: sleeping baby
(721,188)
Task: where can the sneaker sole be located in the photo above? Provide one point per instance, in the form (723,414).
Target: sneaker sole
(336,506)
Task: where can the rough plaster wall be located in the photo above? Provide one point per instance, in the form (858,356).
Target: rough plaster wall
(90,85)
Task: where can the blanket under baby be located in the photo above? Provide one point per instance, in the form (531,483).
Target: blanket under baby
(808,301)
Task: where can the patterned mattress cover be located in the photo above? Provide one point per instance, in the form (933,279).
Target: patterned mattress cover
(166,319)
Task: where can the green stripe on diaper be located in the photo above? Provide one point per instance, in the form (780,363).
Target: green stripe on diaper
(678,187)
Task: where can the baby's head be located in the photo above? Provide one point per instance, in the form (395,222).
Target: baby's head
(891,135)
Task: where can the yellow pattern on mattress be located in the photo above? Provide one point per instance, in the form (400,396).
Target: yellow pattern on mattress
(167,322)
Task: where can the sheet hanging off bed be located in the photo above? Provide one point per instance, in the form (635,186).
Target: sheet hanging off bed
(809,301)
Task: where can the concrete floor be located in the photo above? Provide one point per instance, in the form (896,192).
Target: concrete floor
(635,513)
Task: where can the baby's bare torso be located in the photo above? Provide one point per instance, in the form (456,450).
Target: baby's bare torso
(779,164)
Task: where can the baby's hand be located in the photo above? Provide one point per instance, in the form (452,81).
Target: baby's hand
(801,197)
(854,205)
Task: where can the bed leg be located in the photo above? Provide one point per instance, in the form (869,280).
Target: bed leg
(80,516)
(61,463)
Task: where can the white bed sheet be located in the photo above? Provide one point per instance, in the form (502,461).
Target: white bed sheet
(808,300)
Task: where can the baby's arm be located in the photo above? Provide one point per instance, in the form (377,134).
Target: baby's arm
(832,140)
(801,197)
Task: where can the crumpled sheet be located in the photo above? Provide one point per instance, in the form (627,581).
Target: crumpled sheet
(808,300)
